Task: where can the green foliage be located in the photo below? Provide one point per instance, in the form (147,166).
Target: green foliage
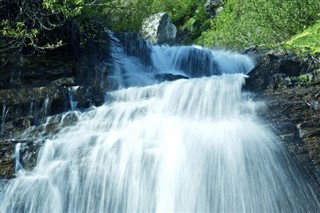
(69,8)
(306,41)
(16,30)
(23,22)
(197,22)
(28,24)
(177,10)
(206,38)
(303,79)
(262,22)
(240,24)
(128,15)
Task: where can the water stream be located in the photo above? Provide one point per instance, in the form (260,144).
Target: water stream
(190,145)
(17,150)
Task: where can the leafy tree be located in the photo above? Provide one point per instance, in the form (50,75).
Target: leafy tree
(29,24)
(23,21)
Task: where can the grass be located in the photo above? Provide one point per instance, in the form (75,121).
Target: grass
(306,41)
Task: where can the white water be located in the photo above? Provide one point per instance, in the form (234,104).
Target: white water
(17,150)
(192,145)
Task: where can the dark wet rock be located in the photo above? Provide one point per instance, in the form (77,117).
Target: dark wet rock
(256,54)
(52,125)
(276,70)
(89,96)
(69,119)
(28,152)
(213,7)
(31,103)
(134,45)
(184,37)
(7,168)
(169,77)
(198,62)
(35,70)
(67,82)
(292,102)
(93,63)
(291,67)
(293,105)
(33,87)
(31,140)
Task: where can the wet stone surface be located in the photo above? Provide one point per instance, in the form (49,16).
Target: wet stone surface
(292,100)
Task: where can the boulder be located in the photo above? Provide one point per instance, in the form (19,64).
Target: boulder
(159,29)
(213,7)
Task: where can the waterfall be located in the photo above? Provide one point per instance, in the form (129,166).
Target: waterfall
(190,145)
(17,150)
(72,102)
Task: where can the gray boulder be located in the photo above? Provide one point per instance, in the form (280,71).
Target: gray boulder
(159,29)
(213,7)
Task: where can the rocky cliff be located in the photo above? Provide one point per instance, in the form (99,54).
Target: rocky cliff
(36,89)
(289,85)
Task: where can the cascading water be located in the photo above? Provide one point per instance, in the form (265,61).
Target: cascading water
(17,150)
(192,145)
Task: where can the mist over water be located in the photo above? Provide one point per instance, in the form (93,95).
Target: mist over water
(190,145)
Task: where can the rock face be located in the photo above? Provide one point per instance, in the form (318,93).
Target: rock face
(30,142)
(290,87)
(213,7)
(169,77)
(159,29)
(134,45)
(37,90)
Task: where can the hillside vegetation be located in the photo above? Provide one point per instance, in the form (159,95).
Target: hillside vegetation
(29,24)
(308,40)
(260,22)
